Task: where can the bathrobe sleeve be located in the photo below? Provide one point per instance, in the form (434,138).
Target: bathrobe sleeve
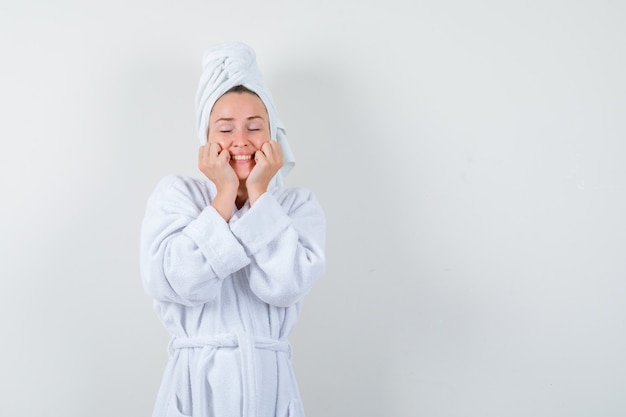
(284,234)
(187,248)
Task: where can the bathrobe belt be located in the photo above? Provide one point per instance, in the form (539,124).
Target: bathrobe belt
(246,343)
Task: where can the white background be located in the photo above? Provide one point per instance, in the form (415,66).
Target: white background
(469,156)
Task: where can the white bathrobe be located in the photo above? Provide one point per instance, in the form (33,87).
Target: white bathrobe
(229,294)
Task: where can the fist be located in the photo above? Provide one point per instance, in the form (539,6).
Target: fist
(214,163)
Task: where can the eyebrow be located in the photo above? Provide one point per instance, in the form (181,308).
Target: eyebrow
(231,119)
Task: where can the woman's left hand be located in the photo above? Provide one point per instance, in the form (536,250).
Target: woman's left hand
(269,159)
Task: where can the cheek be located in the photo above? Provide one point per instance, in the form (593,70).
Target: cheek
(261,139)
(258,143)
(219,140)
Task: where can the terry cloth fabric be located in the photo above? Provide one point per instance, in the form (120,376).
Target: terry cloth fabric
(227,65)
(229,295)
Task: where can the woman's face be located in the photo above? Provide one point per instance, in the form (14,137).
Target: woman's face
(239,123)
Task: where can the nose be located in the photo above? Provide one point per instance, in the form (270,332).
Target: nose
(241,138)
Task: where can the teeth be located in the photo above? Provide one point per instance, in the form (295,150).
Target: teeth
(241,157)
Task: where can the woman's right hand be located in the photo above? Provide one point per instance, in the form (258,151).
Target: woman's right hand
(215,165)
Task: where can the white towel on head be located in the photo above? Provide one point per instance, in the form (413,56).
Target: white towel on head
(227,65)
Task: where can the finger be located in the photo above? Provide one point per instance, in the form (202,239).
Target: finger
(224,155)
(273,151)
(276,147)
(214,149)
(267,148)
(266,151)
(203,152)
(279,153)
(259,156)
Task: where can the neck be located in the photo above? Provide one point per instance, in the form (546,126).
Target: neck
(242,194)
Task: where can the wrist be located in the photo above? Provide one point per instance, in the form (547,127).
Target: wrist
(227,191)
(223,202)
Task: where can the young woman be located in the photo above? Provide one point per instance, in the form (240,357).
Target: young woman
(229,257)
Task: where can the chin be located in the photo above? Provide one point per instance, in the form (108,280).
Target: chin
(242,175)
(243,172)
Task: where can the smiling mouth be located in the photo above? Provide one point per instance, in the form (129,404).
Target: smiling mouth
(241,157)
